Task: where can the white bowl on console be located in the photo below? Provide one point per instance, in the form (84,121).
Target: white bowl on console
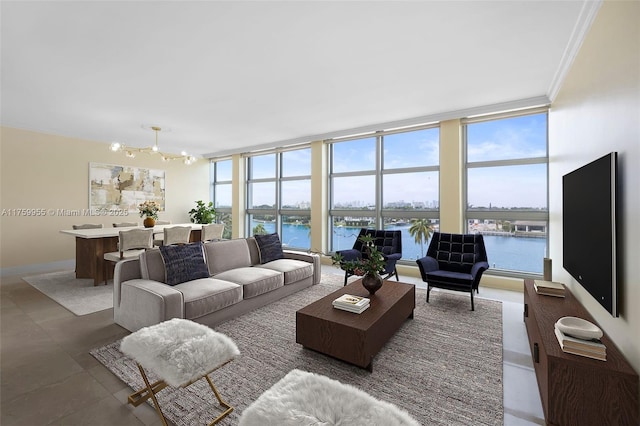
(578,327)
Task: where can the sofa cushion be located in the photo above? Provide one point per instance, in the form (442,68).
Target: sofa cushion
(293,270)
(226,255)
(203,296)
(183,262)
(270,247)
(450,277)
(254,281)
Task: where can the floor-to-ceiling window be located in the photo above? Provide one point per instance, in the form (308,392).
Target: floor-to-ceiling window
(221,179)
(279,195)
(385,180)
(506,188)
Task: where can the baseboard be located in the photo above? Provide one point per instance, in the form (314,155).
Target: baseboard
(38,268)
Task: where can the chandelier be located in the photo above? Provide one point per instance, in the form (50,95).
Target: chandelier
(132,151)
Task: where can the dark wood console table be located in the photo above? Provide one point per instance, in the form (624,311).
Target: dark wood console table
(577,390)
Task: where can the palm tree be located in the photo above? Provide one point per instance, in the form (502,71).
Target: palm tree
(259,229)
(420,230)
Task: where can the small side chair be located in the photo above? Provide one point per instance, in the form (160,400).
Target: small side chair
(454,262)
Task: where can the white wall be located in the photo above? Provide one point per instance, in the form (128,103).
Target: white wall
(40,170)
(598,111)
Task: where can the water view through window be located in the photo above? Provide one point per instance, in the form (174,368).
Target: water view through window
(507,189)
(392,181)
(507,253)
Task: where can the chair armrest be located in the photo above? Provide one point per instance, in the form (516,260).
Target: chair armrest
(312,258)
(300,255)
(477,269)
(146,302)
(392,256)
(427,264)
(126,270)
(350,254)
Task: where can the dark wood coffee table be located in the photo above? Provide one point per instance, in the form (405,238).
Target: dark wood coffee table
(355,338)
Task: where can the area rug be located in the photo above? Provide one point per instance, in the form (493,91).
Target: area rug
(79,296)
(444,366)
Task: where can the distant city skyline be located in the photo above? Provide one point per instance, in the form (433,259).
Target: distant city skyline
(516,186)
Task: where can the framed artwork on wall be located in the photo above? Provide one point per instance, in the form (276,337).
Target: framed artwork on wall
(124,187)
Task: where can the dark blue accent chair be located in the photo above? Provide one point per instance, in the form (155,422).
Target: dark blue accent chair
(389,243)
(454,262)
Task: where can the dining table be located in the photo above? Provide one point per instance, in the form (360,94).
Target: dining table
(92,244)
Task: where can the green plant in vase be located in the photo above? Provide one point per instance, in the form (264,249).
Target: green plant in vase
(202,213)
(369,266)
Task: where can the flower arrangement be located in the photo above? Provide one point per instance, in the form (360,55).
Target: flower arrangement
(149,209)
(371,263)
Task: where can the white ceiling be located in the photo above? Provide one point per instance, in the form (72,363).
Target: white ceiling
(234,76)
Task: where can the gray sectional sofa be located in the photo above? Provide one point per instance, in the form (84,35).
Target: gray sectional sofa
(238,283)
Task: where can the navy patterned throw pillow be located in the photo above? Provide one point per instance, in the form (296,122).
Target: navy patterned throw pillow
(270,247)
(183,263)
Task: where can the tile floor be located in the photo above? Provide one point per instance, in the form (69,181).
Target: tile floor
(49,378)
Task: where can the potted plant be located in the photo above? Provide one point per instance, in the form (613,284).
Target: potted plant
(369,267)
(202,213)
(149,210)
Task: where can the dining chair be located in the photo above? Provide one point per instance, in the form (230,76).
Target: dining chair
(88,226)
(130,243)
(158,237)
(124,224)
(212,232)
(176,235)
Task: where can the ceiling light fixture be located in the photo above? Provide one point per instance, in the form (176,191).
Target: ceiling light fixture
(132,151)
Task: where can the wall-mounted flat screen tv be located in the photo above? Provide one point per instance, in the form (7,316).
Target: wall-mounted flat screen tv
(589,198)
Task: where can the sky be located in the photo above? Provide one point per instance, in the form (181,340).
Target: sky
(505,186)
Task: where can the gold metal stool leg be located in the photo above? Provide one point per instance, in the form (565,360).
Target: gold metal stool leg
(228,407)
(152,389)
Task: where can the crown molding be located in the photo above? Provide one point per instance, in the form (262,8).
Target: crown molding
(583,24)
(426,119)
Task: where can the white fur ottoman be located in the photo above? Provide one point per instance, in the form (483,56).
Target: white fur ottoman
(179,352)
(302,398)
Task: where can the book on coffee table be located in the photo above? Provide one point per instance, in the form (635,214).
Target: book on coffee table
(352,309)
(348,302)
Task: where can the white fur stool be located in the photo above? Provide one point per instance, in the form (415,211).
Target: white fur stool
(179,352)
(302,398)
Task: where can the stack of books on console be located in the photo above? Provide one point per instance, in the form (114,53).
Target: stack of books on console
(549,288)
(355,304)
(588,345)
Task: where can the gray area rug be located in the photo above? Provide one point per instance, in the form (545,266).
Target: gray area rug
(444,366)
(79,296)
